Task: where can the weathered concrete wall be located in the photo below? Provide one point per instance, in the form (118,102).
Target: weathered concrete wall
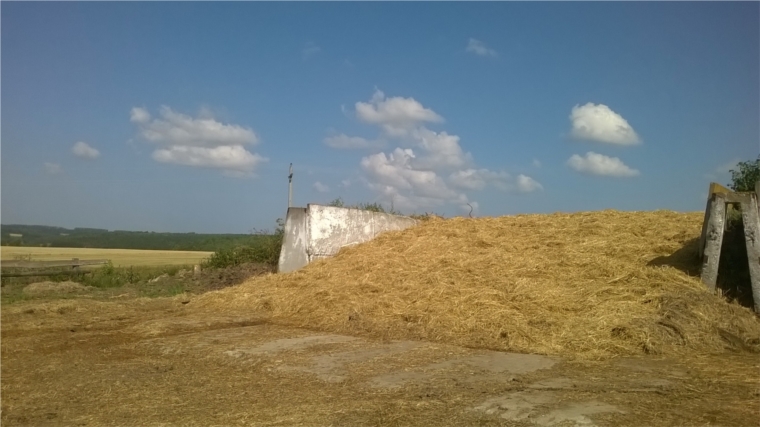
(295,241)
(321,231)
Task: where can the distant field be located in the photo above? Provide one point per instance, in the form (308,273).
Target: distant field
(119,257)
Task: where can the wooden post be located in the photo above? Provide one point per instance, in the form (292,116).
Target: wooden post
(713,240)
(75,264)
(751,221)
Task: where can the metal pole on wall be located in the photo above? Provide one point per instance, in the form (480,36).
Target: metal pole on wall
(290,186)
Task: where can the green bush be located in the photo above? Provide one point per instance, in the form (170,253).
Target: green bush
(746,174)
(265,249)
(733,271)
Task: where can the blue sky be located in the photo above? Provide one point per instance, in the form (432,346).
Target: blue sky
(184,116)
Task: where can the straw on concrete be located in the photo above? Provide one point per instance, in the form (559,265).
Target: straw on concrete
(589,285)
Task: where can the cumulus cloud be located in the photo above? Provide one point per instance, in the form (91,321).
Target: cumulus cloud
(479,48)
(442,150)
(322,188)
(428,169)
(598,164)
(526,184)
(310,50)
(202,141)
(85,151)
(396,115)
(477,179)
(226,157)
(599,123)
(396,170)
(179,129)
(52,168)
(345,142)
(139,115)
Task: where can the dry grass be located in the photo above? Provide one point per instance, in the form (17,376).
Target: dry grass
(47,288)
(119,257)
(588,285)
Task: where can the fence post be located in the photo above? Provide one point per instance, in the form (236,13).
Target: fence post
(75,264)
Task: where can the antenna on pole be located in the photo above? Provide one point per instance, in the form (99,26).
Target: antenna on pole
(290,186)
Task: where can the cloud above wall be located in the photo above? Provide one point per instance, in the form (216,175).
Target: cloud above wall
(322,188)
(427,169)
(52,168)
(397,116)
(601,165)
(83,150)
(199,141)
(599,123)
(479,48)
(345,142)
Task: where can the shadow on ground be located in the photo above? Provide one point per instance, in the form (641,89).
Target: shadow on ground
(733,270)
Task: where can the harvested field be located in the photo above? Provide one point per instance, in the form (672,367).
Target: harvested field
(119,257)
(586,285)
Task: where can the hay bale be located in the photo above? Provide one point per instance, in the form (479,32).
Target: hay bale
(589,285)
(49,288)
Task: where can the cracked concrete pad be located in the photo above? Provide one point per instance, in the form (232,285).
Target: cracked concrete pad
(290,344)
(575,414)
(486,365)
(334,367)
(516,406)
(533,407)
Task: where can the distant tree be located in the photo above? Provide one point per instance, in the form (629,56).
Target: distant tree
(746,174)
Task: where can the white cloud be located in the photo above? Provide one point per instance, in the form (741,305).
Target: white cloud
(526,184)
(429,169)
(479,48)
(598,164)
(397,115)
(83,150)
(179,129)
(396,171)
(310,50)
(233,158)
(139,115)
(443,150)
(346,142)
(477,179)
(536,163)
(201,142)
(322,188)
(345,183)
(52,168)
(599,123)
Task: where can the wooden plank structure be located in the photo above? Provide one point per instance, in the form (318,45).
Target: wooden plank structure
(711,239)
(43,268)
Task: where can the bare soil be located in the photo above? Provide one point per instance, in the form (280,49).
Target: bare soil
(150,362)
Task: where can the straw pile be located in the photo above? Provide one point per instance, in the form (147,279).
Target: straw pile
(45,288)
(588,285)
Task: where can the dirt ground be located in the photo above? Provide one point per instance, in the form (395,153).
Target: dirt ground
(157,362)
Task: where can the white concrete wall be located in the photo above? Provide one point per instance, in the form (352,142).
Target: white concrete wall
(318,232)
